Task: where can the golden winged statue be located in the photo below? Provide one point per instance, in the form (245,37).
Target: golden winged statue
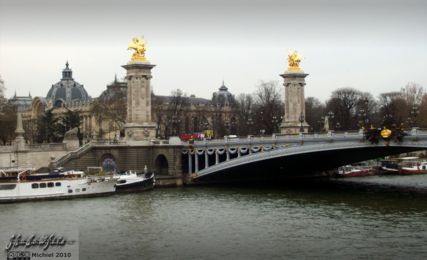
(138,46)
(294,59)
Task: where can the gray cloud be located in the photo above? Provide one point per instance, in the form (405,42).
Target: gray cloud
(197,43)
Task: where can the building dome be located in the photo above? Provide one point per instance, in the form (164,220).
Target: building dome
(67,90)
(223,97)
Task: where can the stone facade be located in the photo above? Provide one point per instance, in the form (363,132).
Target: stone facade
(294,120)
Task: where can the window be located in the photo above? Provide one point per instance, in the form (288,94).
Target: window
(77,190)
(57,184)
(83,189)
(50,184)
(7,187)
(70,191)
(35,185)
(43,185)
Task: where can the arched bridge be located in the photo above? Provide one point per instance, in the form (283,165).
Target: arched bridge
(252,157)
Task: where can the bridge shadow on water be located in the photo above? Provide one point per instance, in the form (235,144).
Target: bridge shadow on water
(367,196)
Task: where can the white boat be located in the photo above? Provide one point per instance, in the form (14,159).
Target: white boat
(68,184)
(131,181)
(413,167)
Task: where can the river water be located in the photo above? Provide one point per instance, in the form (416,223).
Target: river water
(370,217)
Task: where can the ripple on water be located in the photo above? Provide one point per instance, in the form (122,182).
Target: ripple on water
(235,223)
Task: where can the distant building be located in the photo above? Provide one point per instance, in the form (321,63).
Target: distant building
(67,90)
(173,115)
(22,103)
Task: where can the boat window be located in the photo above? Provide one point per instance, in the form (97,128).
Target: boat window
(57,184)
(50,184)
(7,187)
(121,181)
(70,191)
(77,190)
(83,189)
(35,185)
(43,185)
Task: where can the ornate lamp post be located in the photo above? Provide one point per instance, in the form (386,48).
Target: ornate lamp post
(414,113)
(362,115)
(250,123)
(331,116)
(274,121)
(227,127)
(175,125)
(388,119)
(301,120)
(233,126)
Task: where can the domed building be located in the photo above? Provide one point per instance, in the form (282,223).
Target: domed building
(223,97)
(67,90)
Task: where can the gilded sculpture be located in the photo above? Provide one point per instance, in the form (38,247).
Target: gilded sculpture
(294,59)
(138,46)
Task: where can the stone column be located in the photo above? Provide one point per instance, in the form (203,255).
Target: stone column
(19,139)
(139,125)
(189,163)
(294,82)
(196,162)
(206,159)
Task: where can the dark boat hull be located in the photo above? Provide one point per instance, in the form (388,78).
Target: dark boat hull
(143,185)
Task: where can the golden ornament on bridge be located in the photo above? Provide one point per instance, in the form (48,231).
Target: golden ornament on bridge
(385,133)
(294,59)
(138,46)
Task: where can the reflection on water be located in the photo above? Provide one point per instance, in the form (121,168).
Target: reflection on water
(338,219)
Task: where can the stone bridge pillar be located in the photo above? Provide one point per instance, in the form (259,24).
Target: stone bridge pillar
(294,82)
(139,125)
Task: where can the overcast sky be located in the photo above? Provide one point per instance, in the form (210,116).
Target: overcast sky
(376,45)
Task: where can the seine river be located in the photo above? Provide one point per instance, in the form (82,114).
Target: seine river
(368,218)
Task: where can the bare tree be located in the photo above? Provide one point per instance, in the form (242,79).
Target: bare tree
(367,110)
(423,112)
(245,107)
(268,107)
(343,104)
(7,122)
(314,111)
(110,110)
(393,109)
(177,104)
(412,93)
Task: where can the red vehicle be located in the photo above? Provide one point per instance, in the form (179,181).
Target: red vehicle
(189,137)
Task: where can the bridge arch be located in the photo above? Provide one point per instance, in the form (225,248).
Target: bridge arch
(161,165)
(302,159)
(108,162)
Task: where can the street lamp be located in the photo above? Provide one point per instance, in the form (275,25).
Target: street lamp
(175,125)
(414,113)
(227,126)
(274,121)
(331,116)
(301,120)
(250,123)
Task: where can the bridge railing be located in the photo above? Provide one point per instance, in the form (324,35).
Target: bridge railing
(325,137)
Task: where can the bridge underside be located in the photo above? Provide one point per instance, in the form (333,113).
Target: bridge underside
(299,165)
